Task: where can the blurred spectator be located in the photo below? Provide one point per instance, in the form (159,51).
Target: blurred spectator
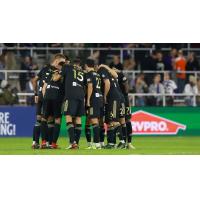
(2,66)
(116,63)
(56,46)
(29,89)
(192,62)
(190,89)
(156,88)
(198,88)
(11,64)
(169,87)
(129,63)
(170,59)
(149,63)
(160,65)
(26,64)
(140,87)
(180,67)
(7,96)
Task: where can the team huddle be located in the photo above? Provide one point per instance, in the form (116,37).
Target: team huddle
(97,91)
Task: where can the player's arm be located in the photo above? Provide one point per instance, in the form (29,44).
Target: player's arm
(111,71)
(35,88)
(106,89)
(126,87)
(124,81)
(89,93)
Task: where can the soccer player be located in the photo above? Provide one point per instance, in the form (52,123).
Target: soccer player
(38,85)
(112,100)
(94,104)
(123,84)
(74,106)
(53,94)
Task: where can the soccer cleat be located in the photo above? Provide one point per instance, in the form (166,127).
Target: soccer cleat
(73,146)
(96,146)
(54,146)
(130,146)
(43,145)
(121,145)
(102,145)
(110,146)
(35,146)
(89,145)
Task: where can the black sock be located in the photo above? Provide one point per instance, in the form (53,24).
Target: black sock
(50,131)
(118,131)
(124,132)
(36,131)
(110,135)
(78,130)
(96,130)
(44,130)
(70,128)
(102,134)
(129,131)
(88,134)
(56,132)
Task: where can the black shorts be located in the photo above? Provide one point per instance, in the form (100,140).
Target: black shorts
(112,111)
(52,108)
(122,110)
(74,107)
(96,108)
(127,109)
(39,107)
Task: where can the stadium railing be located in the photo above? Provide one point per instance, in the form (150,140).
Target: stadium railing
(92,50)
(131,75)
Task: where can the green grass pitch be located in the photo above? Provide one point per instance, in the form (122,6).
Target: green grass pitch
(155,145)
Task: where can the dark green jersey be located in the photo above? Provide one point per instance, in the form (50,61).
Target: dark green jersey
(74,79)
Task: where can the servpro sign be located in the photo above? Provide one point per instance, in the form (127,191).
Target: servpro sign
(144,123)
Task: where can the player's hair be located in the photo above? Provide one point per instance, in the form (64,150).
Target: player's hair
(58,55)
(90,62)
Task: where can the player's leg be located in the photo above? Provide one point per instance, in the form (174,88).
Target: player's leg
(78,129)
(122,134)
(36,132)
(128,125)
(56,132)
(44,128)
(51,125)
(110,126)
(114,128)
(57,115)
(69,111)
(37,126)
(102,128)
(80,111)
(123,131)
(96,132)
(129,135)
(88,134)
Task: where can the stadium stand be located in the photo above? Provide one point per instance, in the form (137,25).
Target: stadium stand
(158,74)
